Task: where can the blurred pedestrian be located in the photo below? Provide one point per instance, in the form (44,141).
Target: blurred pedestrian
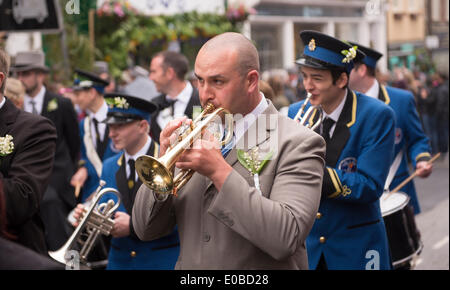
(178,97)
(442,106)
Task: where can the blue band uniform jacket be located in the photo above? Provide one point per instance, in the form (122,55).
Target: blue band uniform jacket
(349,223)
(409,136)
(129,253)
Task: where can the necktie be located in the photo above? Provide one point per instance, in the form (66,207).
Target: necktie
(227,147)
(132,175)
(33,107)
(97,134)
(326,126)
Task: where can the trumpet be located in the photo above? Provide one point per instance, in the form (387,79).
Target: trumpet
(306,119)
(97,220)
(157,173)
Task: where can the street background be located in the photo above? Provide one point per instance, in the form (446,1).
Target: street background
(433,193)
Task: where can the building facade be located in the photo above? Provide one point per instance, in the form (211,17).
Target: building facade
(276,26)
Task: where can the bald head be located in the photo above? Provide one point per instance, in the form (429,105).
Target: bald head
(235,44)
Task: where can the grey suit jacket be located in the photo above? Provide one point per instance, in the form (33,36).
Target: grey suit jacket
(237,227)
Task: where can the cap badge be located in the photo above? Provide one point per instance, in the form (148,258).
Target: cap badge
(349,54)
(312,44)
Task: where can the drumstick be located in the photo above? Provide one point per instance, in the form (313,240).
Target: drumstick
(413,175)
(77,190)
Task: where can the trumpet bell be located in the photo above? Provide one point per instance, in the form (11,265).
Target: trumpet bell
(154,174)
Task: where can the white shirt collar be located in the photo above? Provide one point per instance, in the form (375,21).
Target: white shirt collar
(184,96)
(3,102)
(142,151)
(38,99)
(374,90)
(246,122)
(101,114)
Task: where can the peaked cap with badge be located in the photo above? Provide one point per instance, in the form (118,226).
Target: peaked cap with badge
(372,56)
(86,80)
(123,108)
(325,52)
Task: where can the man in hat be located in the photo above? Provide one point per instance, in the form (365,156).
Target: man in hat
(27,153)
(410,140)
(59,197)
(178,98)
(95,143)
(129,124)
(349,232)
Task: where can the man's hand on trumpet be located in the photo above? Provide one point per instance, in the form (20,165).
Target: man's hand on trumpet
(121,226)
(204,157)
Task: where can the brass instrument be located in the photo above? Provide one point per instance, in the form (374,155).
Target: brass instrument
(157,173)
(305,118)
(97,220)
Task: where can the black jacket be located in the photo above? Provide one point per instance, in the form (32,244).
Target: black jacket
(160,101)
(62,113)
(26,172)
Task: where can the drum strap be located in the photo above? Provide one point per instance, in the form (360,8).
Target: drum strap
(393,170)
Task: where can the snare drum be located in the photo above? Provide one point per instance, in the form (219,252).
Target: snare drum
(403,236)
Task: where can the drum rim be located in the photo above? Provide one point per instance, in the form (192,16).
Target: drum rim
(410,257)
(400,207)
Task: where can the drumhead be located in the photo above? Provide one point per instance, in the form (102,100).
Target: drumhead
(393,201)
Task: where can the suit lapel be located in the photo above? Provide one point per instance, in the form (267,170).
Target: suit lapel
(341,132)
(44,111)
(252,131)
(121,181)
(383,95)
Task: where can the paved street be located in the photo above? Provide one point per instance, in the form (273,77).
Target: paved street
(432,222)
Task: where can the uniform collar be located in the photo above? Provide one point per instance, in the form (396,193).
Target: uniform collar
(374,90)
(337,112)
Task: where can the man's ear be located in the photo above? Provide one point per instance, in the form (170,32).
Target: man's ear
(252,80)
(343,80)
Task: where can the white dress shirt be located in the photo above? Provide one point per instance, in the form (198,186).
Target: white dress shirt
(38,100)
(374,90)
(182,100)
(100,115)
(3,102)
(141,152)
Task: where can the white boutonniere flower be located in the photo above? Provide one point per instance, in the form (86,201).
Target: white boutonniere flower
(251,161)
(52,105)
(117,102)
(349,54)
(6,145)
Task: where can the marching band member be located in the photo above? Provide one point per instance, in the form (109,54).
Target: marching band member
(349,232)
(128,121)
(410,140)
(95,143)
(225,220)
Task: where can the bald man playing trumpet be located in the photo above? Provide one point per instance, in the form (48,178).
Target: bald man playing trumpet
(225,219)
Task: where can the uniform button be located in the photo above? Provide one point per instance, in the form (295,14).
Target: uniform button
(206,238)
(318,215)
(133,254)
(322,240)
